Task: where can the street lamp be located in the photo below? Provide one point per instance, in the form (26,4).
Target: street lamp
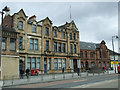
(6,9)
(113,51)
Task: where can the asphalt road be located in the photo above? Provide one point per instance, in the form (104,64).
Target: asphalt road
(104,81)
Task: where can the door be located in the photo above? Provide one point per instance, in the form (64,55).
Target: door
(45,65)
(86,65)
(20,65)
(75,64)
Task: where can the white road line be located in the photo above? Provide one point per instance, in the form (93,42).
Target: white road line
(96,83)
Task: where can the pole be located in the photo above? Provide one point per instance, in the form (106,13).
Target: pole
(1,27)
(113,53)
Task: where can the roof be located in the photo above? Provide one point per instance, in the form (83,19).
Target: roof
(87,45)
(111,52)
(9,29)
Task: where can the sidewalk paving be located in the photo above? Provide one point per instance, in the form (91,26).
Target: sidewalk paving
(49,77)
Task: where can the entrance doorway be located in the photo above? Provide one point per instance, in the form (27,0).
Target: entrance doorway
(20,65)
(45,65)
(75,65)
(86,65)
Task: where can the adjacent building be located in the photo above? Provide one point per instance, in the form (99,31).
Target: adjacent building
(114,63)
(94,55)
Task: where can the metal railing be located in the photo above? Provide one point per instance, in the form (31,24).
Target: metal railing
(15,80)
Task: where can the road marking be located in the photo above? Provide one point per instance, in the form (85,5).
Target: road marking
(78,80)
(96,83)
(49,84)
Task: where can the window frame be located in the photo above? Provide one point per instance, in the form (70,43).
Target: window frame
(20,26)
(34,28)
(12,45)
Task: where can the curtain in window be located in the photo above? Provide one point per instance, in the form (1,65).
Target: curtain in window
(33,63)
(12,44)
(38,63)
(29,62)
(60,63)
(55,64)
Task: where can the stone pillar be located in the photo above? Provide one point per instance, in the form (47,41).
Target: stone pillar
(78,63)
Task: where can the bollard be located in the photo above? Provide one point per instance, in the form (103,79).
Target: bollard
(93,73)
(87,73)
(72,75)
(53,76)
(12,79)
(108,71)
(42,77)
(63,76)
(3,80)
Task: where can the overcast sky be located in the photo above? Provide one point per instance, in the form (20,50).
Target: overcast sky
(96,21)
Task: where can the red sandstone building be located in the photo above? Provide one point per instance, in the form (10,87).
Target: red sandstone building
(94,54)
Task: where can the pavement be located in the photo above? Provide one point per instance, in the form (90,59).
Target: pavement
(49,78)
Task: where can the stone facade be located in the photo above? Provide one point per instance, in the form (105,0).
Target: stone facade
(40,45)
(94,55)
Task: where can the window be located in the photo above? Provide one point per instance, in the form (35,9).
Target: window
(70,36)
(47,31)
(104,64)
(55,46)
(74,36)
(38,63)
(81,54)
(92,64)
(99,64)
(12,44)
(34,28)
(49,64)
(104,53)
(64,35)
(71,48)
(55,64)
(4,43)
(47,45)
(85,54)
(64,63)
(60,63)
(100,54)
(59,47)
(20,25)
(75,49)
(55,33)
(20,42)
(36,44)
(29,62)
(33,63)
(92,54)
(31,44)
(107,64)
(64,49)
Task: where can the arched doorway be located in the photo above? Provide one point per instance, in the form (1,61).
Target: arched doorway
(86,65)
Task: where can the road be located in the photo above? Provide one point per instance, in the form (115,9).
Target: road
(104,81)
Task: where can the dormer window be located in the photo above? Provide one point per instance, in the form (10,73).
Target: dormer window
(34,28)
(20,25)
(55,33)
(47,31)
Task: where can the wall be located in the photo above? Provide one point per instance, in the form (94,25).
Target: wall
(10,66)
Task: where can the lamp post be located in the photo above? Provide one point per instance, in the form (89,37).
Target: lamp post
(1,28)
(113,51)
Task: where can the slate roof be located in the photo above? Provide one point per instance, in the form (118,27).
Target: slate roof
(111,52)
(88,45)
